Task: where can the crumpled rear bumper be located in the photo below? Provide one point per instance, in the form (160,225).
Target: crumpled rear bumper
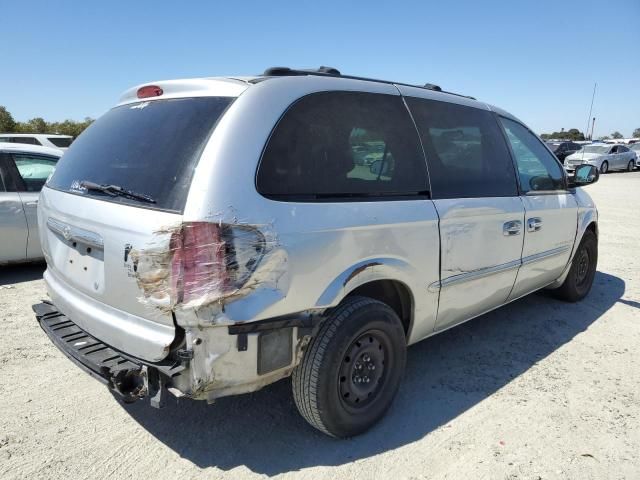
(129,377)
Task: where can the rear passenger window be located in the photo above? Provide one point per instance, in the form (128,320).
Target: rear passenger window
(343,144)
(34,170)
(466,152)
(537,168)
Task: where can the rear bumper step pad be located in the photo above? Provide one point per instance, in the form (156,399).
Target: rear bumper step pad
(99,360)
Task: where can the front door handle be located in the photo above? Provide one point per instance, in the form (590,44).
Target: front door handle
(534,224)
(511,228)
(34,203)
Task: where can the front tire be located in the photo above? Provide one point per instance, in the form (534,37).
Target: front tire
(352,368)
(583,270)
(604,168)
(631,167)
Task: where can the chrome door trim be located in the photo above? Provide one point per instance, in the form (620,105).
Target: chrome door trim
(544,255)
(503,267)
(474,275)
(71,233)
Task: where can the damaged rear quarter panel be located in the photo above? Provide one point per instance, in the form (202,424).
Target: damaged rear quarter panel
(196,268)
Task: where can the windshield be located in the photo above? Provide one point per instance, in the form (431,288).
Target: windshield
(150,148)
(635,146)
(595,149)
(553,146)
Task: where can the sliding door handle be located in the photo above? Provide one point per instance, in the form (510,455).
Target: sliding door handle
(511,228)
(534,224)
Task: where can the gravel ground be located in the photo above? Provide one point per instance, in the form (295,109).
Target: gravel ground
(537,389)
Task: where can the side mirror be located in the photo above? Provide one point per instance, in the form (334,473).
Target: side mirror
(584,175)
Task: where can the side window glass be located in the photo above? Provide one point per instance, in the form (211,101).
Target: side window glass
(27,140)
(34,170)
(466,151)
(343,144)
(372,158)
(537,168)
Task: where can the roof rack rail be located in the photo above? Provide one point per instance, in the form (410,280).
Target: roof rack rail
(334,72)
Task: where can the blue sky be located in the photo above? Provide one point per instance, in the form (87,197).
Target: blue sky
(537,59)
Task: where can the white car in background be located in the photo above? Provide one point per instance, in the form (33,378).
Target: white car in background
(605,157)
(61,142)
(24,169)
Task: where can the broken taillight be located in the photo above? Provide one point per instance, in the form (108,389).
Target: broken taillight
(211,260)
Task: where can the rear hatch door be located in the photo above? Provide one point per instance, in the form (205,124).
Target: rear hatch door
(94,238)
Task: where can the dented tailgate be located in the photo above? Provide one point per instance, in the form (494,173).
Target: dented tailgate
(92,276)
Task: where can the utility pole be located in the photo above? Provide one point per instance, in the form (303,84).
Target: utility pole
(591,107)
(593,125)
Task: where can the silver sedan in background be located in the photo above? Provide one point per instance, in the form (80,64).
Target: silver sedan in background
(636,148)
(24,169)
(604,156)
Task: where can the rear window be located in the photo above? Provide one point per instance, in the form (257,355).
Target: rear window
(150,148)
(343,145)
(61,142)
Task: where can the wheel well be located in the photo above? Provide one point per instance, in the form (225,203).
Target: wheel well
(393,293)
(593,227)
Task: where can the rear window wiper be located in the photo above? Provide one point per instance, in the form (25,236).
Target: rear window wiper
(116,190)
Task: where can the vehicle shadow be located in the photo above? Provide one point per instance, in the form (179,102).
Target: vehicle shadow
(18,273)
(446,375)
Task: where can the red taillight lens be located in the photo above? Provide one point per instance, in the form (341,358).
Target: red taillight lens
(204,263)
(149,91)
(198,267)
(212,260)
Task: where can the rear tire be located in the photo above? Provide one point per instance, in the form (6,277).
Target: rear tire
(604,168)
(582,272)
(352,368)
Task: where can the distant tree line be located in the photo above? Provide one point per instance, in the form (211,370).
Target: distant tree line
(40,125)
(572,134)
(575,134)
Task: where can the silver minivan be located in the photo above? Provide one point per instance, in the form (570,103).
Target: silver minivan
(209,237)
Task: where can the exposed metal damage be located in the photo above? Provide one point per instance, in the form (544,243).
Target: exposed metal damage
(194,265)
(195,269)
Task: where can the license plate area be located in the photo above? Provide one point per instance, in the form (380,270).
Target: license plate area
(79,256)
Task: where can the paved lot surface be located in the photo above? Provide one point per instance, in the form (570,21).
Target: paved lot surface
(537,389)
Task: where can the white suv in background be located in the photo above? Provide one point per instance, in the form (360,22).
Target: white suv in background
(210,236)
(60,142)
